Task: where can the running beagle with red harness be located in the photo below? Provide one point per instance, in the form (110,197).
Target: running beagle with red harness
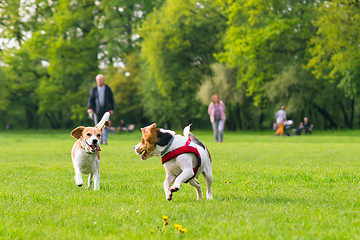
(85,153)
(183,157)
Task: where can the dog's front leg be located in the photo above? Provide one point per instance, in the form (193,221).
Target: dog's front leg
(168,181)
(78,177)
(97,180)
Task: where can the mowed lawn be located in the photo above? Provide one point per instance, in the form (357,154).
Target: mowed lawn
(265,187)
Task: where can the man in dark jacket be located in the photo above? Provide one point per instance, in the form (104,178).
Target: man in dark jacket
(100,101)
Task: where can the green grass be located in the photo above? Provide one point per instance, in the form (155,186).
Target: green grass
(265,187)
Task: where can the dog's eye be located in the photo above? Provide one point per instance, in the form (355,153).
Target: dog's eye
(88,134)
(98,135)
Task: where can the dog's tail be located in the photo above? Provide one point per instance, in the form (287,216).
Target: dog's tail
(103,119)
(187,133)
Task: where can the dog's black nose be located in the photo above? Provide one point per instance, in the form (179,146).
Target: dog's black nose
(95,141)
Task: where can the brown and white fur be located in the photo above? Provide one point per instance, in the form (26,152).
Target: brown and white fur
(155,141)
(85,153)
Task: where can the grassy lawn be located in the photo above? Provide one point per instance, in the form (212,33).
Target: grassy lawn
(265,187)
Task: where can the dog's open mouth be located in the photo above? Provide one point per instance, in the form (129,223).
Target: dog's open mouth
(143,155)
(93,148)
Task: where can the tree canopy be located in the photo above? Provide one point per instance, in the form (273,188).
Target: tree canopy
(165,58)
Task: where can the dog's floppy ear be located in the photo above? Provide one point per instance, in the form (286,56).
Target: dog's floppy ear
(106,123)
(149,132)
(148,129)
(76,133)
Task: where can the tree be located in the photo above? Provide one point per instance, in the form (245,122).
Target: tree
(119,22)
(179,41)
(125,84)
(57,48)
(305,96)
(262,38)
(335,50)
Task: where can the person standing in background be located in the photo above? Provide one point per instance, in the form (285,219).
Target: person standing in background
(216,112)
(280,119)
(100,101)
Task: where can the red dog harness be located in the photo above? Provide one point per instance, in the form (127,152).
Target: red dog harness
(184,149)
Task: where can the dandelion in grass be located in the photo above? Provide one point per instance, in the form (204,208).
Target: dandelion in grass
(180,229)
(166,222)
(247,182)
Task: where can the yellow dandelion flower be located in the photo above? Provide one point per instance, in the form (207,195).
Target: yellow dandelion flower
(165,217)
(184,230)
(178,226)
(247,182)
(226,164)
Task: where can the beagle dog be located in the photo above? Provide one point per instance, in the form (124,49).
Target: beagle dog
(85,153)
(183,157)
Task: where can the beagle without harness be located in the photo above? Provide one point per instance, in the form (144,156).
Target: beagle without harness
(85,153)
(183,157)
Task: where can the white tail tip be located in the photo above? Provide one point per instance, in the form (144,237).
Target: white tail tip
(187,130)
(103,119)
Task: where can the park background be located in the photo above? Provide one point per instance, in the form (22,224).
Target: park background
(165,58)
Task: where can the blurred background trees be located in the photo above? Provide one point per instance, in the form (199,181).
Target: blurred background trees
(165,58)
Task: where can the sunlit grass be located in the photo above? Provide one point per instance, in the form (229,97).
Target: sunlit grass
(265,187)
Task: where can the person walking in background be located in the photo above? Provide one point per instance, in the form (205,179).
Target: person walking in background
(100,101)
(280,119)
(216,112)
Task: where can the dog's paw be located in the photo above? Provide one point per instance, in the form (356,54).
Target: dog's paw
(78,181)
(174,189)
(169,197)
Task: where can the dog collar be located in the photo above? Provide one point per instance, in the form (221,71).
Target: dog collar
(167,146)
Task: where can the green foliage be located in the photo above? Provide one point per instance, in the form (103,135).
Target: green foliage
(223,83)
(4,95)
(308,97)
(335,49)
(262,38)
(51,51)
(125,85)
(179,39)
(119,24)
(240,110)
